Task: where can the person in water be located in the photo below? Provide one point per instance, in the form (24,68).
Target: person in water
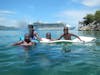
(48,36)
(26,42)
(66,35)
(33,35)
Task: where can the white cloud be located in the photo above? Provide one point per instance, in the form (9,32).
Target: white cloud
(73,16)
(75,13)
(6,20)
(11,22)
(6,12)
(89,3)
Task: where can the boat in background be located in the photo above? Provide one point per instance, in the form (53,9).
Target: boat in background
(51,26)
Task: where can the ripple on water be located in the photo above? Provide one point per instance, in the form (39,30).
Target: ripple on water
(50,59)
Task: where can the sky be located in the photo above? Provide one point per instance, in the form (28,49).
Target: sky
(19,13)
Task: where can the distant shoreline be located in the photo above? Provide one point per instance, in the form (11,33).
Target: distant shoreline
(7,28)
(89,28)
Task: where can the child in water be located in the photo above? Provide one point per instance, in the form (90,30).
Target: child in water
(48,37)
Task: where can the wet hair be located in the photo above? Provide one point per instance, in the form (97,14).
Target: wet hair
(48,33)
(26,35)
(31,29)
(27,40)
(30,26)
(65,28)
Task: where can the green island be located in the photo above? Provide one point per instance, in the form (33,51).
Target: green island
(90,22)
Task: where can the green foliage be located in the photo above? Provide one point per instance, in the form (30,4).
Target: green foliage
(97,16)
(89,18)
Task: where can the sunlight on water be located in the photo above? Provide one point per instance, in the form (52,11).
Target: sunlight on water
(49,59)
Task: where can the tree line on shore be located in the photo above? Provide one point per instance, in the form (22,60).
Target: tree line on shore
(90,22)
(91,19)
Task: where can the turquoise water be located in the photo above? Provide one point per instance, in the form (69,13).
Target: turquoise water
(49,59)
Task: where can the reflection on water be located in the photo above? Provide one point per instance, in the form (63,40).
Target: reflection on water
(49,59)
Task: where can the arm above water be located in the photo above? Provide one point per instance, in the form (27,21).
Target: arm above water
(18,43)
(37,36)
(76,37)
(60,37)
(28,44)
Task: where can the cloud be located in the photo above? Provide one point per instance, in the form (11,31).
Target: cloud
(89,3)
(6,20)
(73,16)
(74,13)
(12,22)
(6,12)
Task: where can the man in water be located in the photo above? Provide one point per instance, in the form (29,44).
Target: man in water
(66,35)
(26,42)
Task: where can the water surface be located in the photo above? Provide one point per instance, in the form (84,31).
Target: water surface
(49,59)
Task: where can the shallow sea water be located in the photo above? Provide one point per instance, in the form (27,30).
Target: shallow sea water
(49,59)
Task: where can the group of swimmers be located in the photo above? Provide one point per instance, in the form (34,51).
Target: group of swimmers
(33,35)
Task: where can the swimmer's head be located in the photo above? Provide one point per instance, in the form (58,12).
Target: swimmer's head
(27,38)
(30,26)
(65,30)
(48,35)
(31,30)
